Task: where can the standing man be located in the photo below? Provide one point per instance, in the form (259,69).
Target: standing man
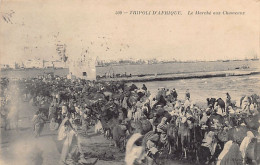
(174,94)
(144,87)
(64,110)
(85,120)
(187,94)
(228,101)
(71,150)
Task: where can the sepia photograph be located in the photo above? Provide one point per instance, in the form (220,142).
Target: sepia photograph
(110,82)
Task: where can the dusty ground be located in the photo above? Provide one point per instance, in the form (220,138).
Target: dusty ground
(20,146)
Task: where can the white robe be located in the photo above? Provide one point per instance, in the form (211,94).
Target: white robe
(130,113)
(67,145)
(245,143)
(224,151)
(133,152)
(98,127)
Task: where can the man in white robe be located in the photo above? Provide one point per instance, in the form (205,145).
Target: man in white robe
(245,143)
(71,145)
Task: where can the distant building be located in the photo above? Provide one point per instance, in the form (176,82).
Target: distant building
(33,63)
(48,64)
(59,64)
(12,65)
(84,69)
(5,66)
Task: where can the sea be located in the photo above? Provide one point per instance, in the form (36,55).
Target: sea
(216,87)
(200,89)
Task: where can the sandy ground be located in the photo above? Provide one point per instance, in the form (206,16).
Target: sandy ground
(21,147)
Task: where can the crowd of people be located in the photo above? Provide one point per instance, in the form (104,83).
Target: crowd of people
(145,126)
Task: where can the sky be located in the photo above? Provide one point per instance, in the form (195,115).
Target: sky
(36,26)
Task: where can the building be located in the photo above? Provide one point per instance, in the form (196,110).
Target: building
(33,63)
(83,68)
(59,64)
(48,64)
(5,66)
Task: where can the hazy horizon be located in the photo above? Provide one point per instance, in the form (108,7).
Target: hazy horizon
(135,60)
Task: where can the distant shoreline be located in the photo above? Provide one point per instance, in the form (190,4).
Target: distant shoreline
(174,76)
(150,72)
(172,62)
(24,69)
(171,77)
(134,63)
